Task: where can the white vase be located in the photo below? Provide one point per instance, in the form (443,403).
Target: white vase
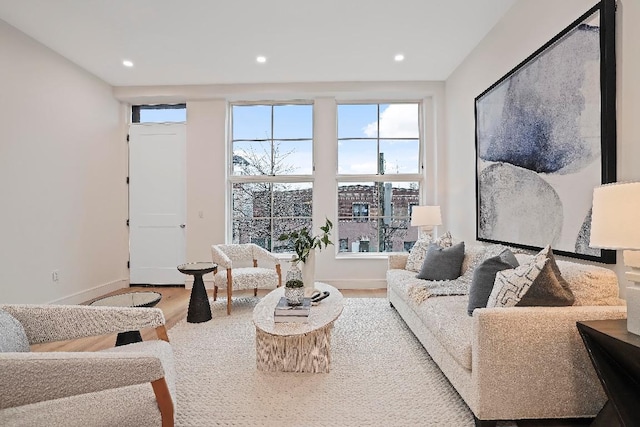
(309,273)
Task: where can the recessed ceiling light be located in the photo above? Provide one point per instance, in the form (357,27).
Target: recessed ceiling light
(127,63)
(399,57)
(261,59)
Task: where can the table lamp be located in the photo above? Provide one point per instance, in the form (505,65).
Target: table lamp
(615,224)
(426,217)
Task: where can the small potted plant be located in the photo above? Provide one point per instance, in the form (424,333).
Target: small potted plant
(304,245)
(294,291)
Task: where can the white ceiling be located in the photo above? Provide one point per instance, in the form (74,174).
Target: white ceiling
(175,42)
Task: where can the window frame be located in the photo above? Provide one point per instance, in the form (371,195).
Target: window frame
(271,179)
(418,177)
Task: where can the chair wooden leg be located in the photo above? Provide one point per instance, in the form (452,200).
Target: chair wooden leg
(161,331)
(255,292)
(279,271)
(215,293)
(165,403)
(229,291)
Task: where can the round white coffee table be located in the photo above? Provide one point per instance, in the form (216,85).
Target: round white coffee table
(296,347)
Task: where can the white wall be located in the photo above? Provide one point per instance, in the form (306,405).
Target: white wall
(62,178)
(207,158)
(527,26)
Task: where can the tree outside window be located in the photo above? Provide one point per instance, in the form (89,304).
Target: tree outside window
(271,182)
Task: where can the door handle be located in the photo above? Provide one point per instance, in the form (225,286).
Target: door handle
(183,225)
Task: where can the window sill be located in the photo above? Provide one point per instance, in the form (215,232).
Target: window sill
(349,255)
(363,255)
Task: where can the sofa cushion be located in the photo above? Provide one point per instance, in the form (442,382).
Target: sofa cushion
(446,318)
(442,263)
(419,250)
(13,338)
(590,284)
(484,277)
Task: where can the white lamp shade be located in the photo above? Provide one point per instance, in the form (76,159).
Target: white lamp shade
(615,218)
(426,216)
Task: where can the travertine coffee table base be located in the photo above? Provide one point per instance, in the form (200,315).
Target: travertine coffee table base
(296,347)
(297,353)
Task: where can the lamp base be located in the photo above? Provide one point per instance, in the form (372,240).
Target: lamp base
(633,309)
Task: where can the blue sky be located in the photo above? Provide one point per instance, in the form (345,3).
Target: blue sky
(354,121)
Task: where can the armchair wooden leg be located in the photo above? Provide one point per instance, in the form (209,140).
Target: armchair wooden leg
(161,331)
(165,403)
(215,293)
(279,271)
(229,291)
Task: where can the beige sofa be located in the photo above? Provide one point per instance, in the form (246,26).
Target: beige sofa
(518,362)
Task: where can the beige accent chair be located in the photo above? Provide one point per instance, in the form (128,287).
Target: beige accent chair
(130,385)
(239,269)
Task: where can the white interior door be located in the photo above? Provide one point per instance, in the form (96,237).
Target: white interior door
(157,211)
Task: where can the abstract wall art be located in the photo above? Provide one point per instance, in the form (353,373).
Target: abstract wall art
(545,137)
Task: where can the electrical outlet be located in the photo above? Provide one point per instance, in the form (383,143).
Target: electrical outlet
(55,275)
(201,214)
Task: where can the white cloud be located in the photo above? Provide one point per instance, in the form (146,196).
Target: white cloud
(396,121)
(358,168)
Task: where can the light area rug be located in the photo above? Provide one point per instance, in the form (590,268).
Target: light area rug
(380,375)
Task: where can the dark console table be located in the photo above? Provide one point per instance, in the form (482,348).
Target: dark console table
(615,354)
(199,307)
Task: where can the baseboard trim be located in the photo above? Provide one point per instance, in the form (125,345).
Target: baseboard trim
(357,283)
(91,293)
(339,284)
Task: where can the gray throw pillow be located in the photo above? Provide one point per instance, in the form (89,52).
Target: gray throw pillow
(485,275)
(549,289)
(442,263)
(13,338)
(419,250)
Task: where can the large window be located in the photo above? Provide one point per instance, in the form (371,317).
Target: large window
(378,175)
(271,172)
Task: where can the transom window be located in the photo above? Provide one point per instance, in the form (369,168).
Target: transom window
(161,113)
(270,172)
(379,175)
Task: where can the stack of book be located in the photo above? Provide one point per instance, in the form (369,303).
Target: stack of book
(292,313)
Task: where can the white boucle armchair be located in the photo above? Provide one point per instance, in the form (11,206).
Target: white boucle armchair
(130,385)
(244,266)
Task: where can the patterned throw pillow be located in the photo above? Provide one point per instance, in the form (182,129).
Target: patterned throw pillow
(12,335)
(419,250)
(513,284)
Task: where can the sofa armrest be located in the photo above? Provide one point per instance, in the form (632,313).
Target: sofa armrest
(48,323)
(397,261)
(533,358)
(34,377)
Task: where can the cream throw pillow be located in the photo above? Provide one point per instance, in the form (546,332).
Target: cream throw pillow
(419,250)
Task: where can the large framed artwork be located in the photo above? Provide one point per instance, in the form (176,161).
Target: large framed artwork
(545,137)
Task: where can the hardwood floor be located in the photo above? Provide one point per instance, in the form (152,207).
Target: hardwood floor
(174,304)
